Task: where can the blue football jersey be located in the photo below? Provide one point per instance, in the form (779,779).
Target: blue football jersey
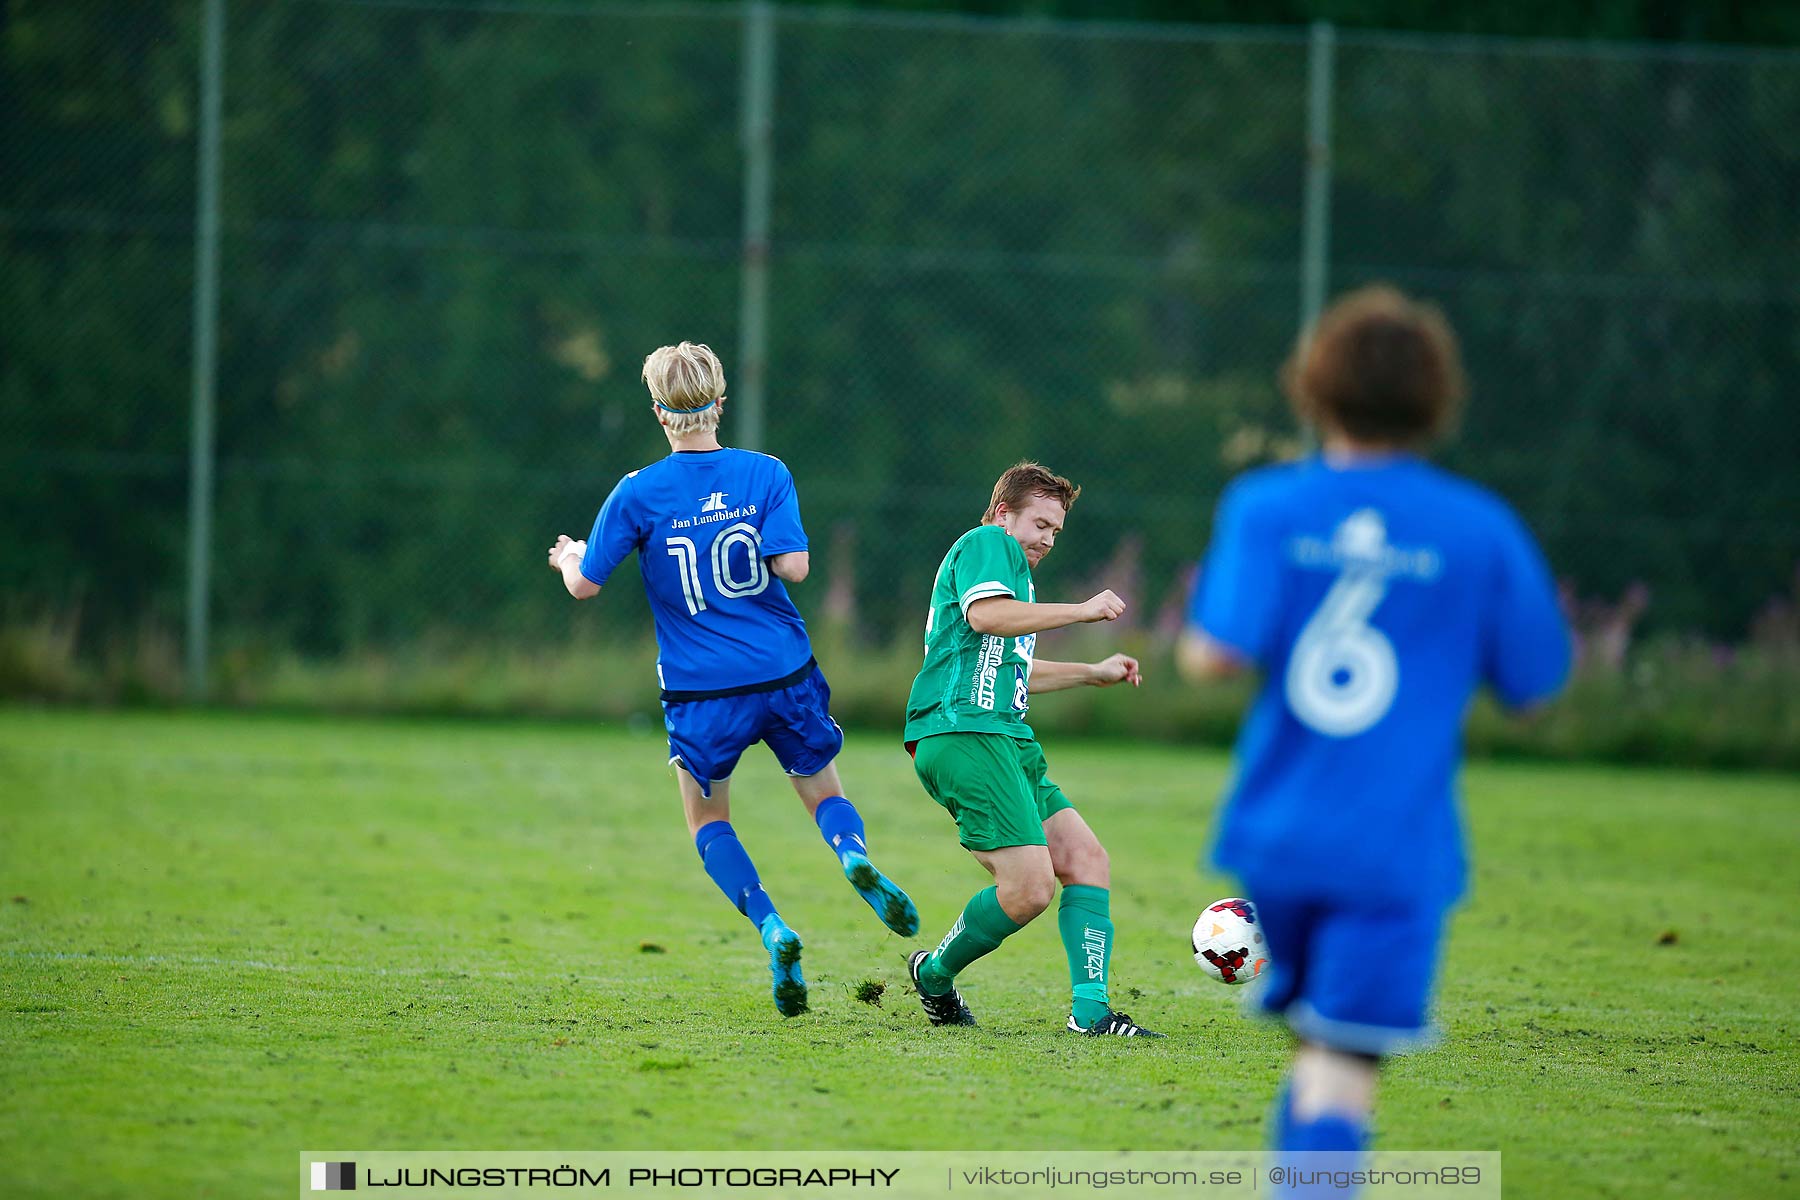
(1374,598)
(702,523)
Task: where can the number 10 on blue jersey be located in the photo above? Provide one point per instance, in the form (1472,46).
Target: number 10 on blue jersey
(725,581)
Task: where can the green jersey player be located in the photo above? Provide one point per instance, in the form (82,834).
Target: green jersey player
(976,756)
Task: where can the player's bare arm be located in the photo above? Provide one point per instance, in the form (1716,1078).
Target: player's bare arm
(1049,676)
(1201,659)
(565,560)
(793,567)
(1004,616)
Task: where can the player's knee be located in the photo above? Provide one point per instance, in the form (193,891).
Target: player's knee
(1088,864)
(1038,892)
(1098,867)
(1026,895)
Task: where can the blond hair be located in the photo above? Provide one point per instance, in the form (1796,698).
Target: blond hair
(1023,480)
(686,382)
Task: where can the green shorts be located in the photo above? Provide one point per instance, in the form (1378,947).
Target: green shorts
(994,786)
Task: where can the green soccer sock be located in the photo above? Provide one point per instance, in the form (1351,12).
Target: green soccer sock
(980,930)
(1085,921)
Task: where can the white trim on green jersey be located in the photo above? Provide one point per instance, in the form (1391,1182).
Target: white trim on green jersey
(972,682)
(982,591)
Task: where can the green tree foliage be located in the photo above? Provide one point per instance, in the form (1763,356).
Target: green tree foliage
(1757,23)
(452,234)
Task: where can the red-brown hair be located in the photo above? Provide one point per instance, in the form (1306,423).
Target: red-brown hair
(1380,367)
(1021,482)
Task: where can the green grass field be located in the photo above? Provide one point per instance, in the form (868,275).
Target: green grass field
(225,939)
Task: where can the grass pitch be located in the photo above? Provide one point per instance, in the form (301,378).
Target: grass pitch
(224,939)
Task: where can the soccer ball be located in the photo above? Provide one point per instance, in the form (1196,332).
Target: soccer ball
(1228,942)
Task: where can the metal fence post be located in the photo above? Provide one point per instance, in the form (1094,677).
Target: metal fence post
(206,352)
(1316,246)
(759,154)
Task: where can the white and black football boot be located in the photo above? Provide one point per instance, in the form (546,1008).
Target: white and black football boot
(1113,1024)
(947,1009)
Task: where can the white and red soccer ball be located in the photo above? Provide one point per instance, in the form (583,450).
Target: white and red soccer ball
(1228,941)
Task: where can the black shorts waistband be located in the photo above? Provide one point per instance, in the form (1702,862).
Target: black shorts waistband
(748,689)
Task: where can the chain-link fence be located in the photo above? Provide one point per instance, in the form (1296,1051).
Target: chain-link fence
(448,233)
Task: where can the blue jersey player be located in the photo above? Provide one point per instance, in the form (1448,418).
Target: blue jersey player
(717,532)
(1374,593)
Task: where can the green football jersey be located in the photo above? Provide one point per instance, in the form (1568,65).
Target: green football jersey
(973,682)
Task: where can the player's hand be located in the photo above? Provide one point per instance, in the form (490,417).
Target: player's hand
(1120,668)
(563,542)
(1104,607)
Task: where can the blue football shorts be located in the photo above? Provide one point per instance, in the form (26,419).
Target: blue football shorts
(707,737)
(1351,977)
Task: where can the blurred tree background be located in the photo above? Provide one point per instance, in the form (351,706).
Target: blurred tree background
(452,230)
(1769,23)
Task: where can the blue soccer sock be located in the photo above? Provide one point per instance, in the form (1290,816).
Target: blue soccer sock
(1326,1131)
(1299,1142)
(730,867)
(842,830)
(841,826)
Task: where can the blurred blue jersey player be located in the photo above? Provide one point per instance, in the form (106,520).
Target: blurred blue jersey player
(717,532)
(1374,593)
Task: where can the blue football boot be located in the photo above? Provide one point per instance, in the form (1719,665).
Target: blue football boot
(784,964)
(891,904)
